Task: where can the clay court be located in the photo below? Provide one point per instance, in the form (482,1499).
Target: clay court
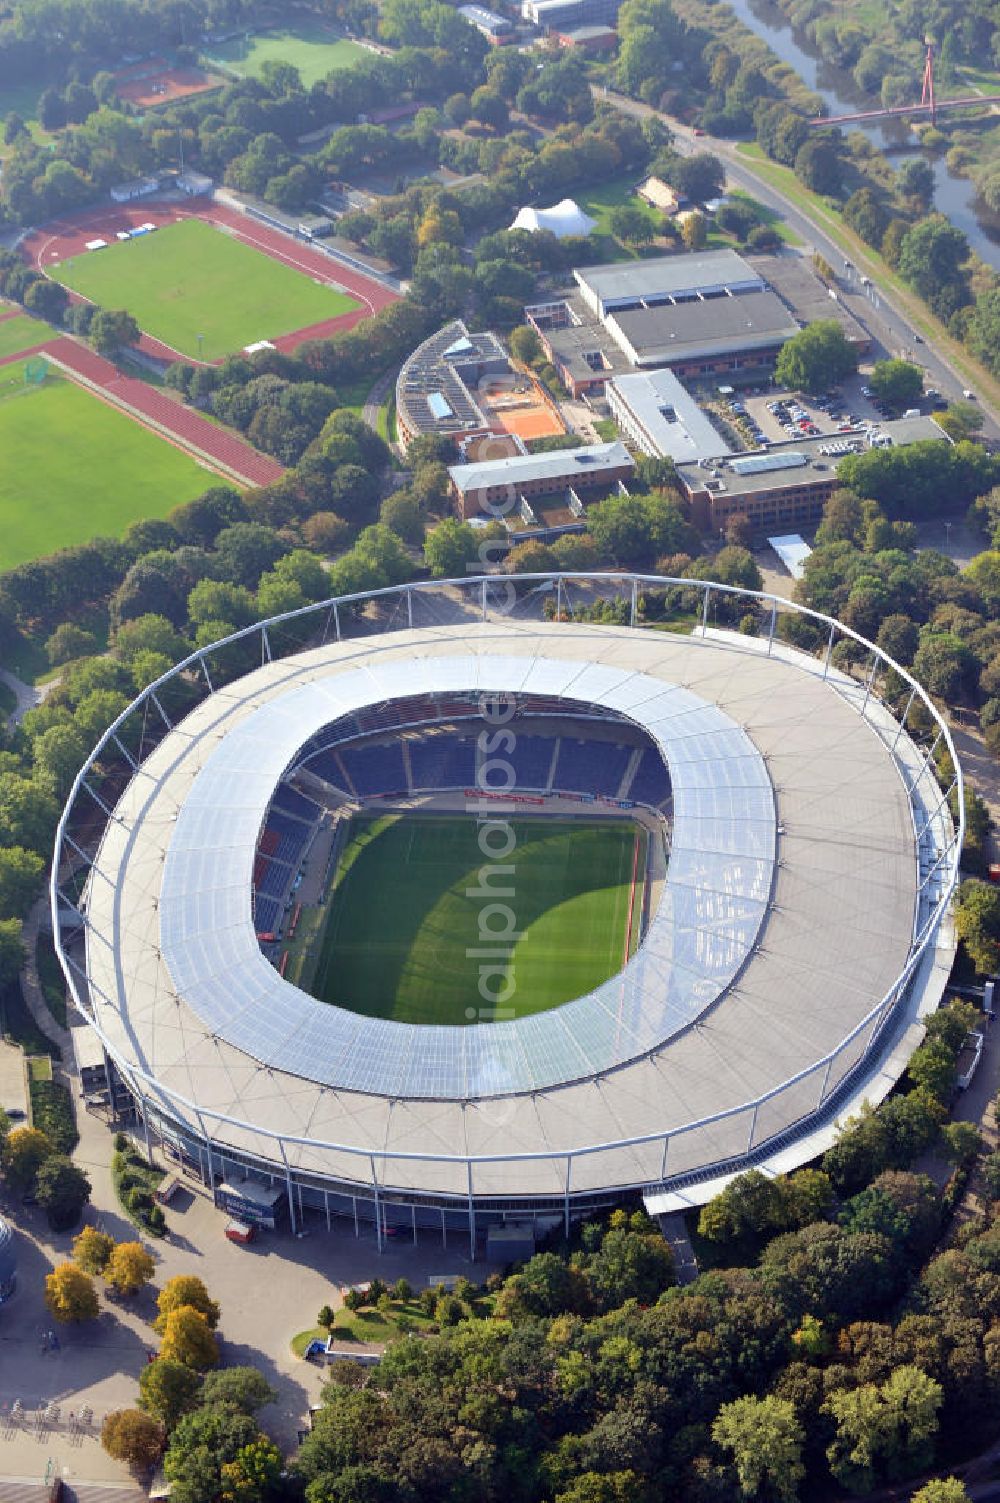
(155,82)
(529,413)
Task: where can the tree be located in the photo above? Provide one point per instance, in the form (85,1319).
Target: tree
(525,344)
(931,255)
(129,1267)
(915,179)
(168,1390)
(20,878)
(47,300)
(25,1150)
(187,1290)
(62,1189)
(941,1490)
(944,664)
(201,1444)
(187,1338)
(69,641)
(694,231)
(92,1249)
(764,1438)
(897,382)
(253,1473)
(820,166)
(70,1295)
(633,530)
(244,1388)
(12,952)
(884,1431)
(451,547)
(750,1205)
(133,1437)
(816,358)
(629,222)
(110,331)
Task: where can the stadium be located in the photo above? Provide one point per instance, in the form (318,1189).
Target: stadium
(442,907)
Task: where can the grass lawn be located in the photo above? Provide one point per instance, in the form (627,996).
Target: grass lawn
(368,1325)
(400,930)
(74,468)
(310,46)
(599,203)
(767,216)
(190,279)
(21,333)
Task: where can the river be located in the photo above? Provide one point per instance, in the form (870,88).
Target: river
(953,196)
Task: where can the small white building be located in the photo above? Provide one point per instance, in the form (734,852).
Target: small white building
(194,183)
(139,187)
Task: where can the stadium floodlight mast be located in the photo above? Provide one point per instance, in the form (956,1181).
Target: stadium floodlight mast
(118,786)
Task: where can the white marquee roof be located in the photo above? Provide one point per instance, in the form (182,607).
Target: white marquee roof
(564,218)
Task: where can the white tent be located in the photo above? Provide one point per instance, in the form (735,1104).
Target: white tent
(565,218)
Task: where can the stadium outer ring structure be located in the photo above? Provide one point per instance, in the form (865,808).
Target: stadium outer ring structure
(780,1125)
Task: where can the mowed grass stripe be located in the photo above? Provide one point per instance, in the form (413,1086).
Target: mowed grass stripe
(73,468)
(190,278)
(22,333)
(313,49)
(401,925)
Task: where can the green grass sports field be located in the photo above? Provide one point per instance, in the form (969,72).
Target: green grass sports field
(71,468)
(400,922)
(189,279)
(21,333)
(309,46)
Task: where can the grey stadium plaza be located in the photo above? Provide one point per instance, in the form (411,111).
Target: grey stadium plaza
(800,931)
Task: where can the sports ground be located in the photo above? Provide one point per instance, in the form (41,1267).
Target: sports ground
(311,47)
(402,931)
(73,468)
(190,279)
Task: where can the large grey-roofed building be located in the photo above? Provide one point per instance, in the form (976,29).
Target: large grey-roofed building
(660,417)
(797,904)
(682,333)
(633,284)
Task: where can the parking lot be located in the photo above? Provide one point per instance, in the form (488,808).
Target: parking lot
(774,416)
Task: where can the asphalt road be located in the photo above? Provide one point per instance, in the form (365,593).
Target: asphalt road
(889,329)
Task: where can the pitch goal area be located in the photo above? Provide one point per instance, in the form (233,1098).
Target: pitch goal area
(404,919)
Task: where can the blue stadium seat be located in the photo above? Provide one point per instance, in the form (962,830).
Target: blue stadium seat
(650,785)
(444,761)
(375,769)
(531,759)
(290,801)
(591,766)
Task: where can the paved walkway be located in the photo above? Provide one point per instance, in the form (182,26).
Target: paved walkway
(31,987)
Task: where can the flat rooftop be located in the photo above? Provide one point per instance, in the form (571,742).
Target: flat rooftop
(798,462)
(795,282)
(564,466)
(671,332)
(669,416)
(666,276)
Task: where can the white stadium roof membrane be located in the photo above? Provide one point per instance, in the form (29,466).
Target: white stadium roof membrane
(711,907)
(776,955)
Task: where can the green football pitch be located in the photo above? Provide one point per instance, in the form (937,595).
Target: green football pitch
(21,333)
(190,278)
(309,46)
(401,924)
(73,468)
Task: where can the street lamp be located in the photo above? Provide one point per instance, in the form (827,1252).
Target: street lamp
(201,340)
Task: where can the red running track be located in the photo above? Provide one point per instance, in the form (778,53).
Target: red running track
(189,429)
(67,237)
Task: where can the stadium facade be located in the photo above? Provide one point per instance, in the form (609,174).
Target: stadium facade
(799,934)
